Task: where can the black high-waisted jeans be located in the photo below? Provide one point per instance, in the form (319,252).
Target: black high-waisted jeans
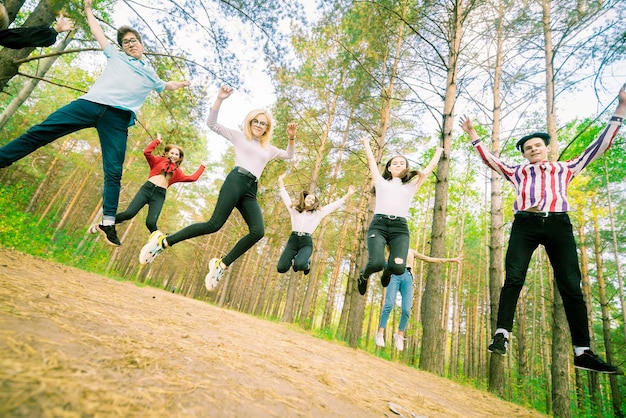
(238,191)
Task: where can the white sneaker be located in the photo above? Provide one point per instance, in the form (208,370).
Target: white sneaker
(380,340)
(153,248)
(216,272)
(399,342)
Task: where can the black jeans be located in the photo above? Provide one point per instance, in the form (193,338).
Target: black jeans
(149,194)
(238,191)
(556,235)
(298,250)
(390,231)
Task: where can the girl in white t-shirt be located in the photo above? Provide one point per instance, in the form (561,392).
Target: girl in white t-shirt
(395,189)
(306,215)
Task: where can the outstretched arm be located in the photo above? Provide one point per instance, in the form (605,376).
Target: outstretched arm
(371,161)
(96,30)
(437,259)
(175,85)
(423,175)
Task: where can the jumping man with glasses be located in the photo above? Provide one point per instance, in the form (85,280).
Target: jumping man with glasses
(252,153)
(109,106)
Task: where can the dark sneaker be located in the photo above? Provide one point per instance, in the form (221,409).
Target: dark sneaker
(108,232)
(591,361)
(385,278)
(498,344)
(307,270)
(362,284)
(154,247)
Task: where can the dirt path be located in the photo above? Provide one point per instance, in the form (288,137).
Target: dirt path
(75,344)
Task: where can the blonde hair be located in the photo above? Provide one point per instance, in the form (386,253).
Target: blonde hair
(4,17)
(247,129)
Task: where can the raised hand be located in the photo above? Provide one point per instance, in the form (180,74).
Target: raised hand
(291,130)
(63,24)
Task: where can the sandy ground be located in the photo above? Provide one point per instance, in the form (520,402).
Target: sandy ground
(75,344)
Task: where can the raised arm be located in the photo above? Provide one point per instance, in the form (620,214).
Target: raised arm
(371,161)
(621,102)
(96,30)
(283,192)
(223,93)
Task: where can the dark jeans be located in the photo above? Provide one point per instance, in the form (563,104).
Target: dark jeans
(391,232)
(298,250)
(238,191)
(149,194)
(555,234)
(112,127)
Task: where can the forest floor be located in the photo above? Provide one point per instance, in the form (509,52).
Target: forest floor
(76,344)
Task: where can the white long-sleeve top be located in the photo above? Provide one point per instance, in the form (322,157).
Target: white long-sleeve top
(307,221)
(392,196)
(249,153)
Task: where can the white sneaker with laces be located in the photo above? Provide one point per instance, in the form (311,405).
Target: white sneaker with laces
(153,248)
(215,274)
(380,340)
(399,342)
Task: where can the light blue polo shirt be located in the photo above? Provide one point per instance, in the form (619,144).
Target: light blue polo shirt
(125,82)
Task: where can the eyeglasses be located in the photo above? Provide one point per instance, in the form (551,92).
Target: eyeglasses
(258,123)
(130,41)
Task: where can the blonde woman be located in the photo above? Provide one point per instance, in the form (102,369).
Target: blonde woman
(252,153)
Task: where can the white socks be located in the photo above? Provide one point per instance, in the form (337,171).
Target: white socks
(502,331)
(579,351)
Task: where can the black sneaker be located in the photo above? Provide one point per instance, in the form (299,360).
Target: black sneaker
(591,361)
(307,270)
(362,284)
(385,278)
(498,344)
(109,234)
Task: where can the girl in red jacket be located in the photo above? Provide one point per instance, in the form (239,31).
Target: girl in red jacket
(164,171)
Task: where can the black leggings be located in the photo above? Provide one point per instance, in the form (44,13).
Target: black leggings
(149,194)
(297,251)
(238,191)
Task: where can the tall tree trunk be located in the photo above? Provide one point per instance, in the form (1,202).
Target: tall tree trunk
(561,342)
(606,318)
(433,340)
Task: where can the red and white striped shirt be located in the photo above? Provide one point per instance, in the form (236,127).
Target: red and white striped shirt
(544,185)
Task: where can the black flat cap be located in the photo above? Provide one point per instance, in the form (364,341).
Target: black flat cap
(542,135)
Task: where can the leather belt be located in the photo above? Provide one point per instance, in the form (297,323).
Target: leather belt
(246,173)
(301,234)
(526,214)
(390,217)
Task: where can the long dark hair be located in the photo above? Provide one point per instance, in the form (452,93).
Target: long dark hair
(300,206)
(406,175)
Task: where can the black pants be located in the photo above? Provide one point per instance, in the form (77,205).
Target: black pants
(238,191)
(149,194)
(390,231)
(297,251)
(556,235)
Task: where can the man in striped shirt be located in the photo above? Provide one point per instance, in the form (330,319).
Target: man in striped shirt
(541,218)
